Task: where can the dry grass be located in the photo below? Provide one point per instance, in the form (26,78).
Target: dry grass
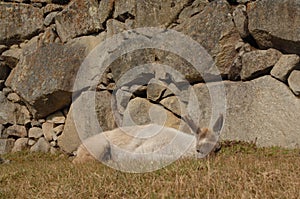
(238,171)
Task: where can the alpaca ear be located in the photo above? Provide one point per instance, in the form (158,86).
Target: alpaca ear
(219,124)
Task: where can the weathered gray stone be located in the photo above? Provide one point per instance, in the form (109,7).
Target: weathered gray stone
(241,20)
(56,118)
(104,110)
(19,22)
(70,138)
(105,9)
(122,99)
(155,89)
(262,110)
(6,145)
(14,97)
(294,82)
(258,62)
(20,145)
(214,29)
(35,132)
(275,29)
(12,56)
(58,130)
(140,111)
(173,104)
(44,79)
(123,8)
(52,8)
(31,142)
(284,66)
(192,10)
(79,18)
(41,146)
(49,19)
(48,130)
(178,64)
(159,13)
(17,131)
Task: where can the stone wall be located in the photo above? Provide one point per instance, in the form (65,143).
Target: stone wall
(43,44)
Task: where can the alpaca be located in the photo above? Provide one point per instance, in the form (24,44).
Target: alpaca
(146,140)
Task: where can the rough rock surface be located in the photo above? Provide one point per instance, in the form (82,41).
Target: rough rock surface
(44,79)
(20,145)
(79,18)
(274,29)
(219,40)
(19,22)
(41,146)
(70,138)
(17,131)
(294,82)
(262,110)
(35,132)
(241,20)
(284,66)
(140,111)
(258,62)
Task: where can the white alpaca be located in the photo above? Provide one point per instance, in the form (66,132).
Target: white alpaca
(151,141)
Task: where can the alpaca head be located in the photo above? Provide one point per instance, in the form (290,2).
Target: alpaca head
(207,139)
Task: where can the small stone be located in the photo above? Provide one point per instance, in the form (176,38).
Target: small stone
(173,103)
(259,62)
(14,97)
(241,20)
(20,145)
(122,98)
(53,143)
(17,131)
(56,118)
(12,56)
(41,146)
(41,121)
(6,91)
(111,87)
(49,19)
(48,130)
(6,145)
(59,129)
(35,132)
(35,123)
(294,82)
(155,89)
(31,142)
(284,66)
(110,76)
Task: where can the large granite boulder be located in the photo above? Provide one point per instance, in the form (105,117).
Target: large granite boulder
(19,22)
(76,125)
(214,29)
(273,23)
(80,17)
(263,110)
(44,78)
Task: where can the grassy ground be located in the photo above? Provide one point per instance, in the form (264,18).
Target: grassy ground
(238,171)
